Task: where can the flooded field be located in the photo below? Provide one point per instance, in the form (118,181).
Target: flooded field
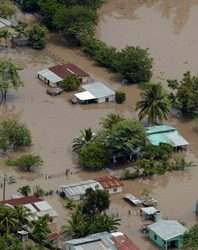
(54,122)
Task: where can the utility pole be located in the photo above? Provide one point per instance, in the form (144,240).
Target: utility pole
(4,185)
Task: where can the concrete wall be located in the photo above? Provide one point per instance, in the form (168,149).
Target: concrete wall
(115,190)
(102,100)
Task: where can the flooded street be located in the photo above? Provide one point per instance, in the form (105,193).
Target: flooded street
(54,122)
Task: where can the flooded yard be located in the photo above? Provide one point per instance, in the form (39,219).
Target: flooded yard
(54,122)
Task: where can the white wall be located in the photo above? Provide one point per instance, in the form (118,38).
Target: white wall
(115,190)
(101,100)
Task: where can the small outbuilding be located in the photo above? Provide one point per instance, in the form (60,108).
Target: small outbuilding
(165,134)
(150,213)
(95,92)
(77,191)
(23,235)
(167,233)
(56,74)
(111,184)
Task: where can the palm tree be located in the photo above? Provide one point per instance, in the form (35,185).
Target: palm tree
(154,104)
(110,120)
(8,220)
(22,214)
(85,138)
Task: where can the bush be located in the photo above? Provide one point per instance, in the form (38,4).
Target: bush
(127,175)
(120,96)
(15,133)
(135,64)
(70,83)
(38,36)
(94,156)
(26,163)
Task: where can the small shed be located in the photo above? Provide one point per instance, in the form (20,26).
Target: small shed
(165,134)
(167,233)
(132,200)
(97,92)
(150,213)
(76,191)
(23,235)
(111,184)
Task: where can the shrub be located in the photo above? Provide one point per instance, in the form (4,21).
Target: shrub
(38,36)
(70,83)
(120,96)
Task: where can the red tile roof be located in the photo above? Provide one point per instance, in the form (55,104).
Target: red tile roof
(109,182)
(53,236)
(64,70)
(122,242)
(21,201)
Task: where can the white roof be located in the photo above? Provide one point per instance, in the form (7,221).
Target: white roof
(85,96)
(80,187)
(176,139)
(98,89)
(49,75)
(43,205)
(5,22)
(167,229)
(149,210)
(132,198)
(31,208)
(50,212)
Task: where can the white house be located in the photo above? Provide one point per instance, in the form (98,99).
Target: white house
(111,184)
(54,75)
(76,191)
(95,92)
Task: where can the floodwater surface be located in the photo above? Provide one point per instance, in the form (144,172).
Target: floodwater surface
(54,122)
(167,27)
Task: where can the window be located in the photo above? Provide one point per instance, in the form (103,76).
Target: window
(155,236)
(115,190)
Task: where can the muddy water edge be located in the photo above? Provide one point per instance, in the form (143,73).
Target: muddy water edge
(54,123)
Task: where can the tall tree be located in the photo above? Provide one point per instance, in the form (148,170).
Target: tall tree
(7,9)
(153,104)
(185,93)
(8,220)
(9,78)
(110,120)
(135,64)
(76,23)
(84,139)
(22,214)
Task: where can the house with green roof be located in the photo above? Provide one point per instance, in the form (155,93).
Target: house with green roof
(167,233)
(165,134)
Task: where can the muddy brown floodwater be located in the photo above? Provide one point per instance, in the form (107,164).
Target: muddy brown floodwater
(54,122)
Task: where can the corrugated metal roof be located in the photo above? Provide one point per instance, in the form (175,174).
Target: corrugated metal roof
(109,182)
(167,229)
(98,89)
(159,129)
(49,75)
(172,137)
(79,188)
(21,201)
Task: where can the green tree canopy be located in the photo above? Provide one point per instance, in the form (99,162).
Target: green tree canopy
(153,104)
(110,120)
(8,220)
(186,93)
(96,201)
(76,23)
(93,156)
(24,190)
(135,64)
(16,133)
(91,4)
(10,242)
(7,9)
(124,137)
(70,83)
(38,36)
(190,239)
(20,28)
(29,162)
(9,77)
